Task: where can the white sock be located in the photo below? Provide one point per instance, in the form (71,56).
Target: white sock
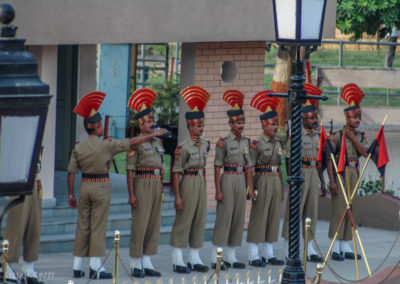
(336,247)
(345,247)
(194,256)
(268,250)
(77,265)
(286,247)
(177,258)
(10,273)
(214,254)
(252,250)
(95,264)
(231,255)
(28,269)
(147,262)
(136,263)
(311,249)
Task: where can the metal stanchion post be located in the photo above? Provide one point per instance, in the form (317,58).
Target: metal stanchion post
(4,246)
(219,262)
(320,269)
(116,246)
(306,237)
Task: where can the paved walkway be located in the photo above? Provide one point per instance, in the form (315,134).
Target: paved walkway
(57,267)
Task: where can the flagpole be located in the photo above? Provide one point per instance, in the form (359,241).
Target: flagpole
(364,167)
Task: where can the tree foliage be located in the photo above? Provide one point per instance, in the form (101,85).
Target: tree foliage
(367,16)
(166,104)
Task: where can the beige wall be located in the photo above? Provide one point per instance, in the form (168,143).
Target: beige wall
(155,21)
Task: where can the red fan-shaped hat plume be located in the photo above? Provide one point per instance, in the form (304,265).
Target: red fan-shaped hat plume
(195,97)
(142,99)
(89,104)
(262,102)
(352,94)
(314,91)
(234,98)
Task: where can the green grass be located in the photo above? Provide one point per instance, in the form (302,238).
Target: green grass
(350,58)
(120,160)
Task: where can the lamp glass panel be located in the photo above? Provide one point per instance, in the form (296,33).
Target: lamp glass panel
(311,11)
(286,18)
(17,142)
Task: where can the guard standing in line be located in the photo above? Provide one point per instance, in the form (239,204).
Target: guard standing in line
(190,191)
(265,153)
(23,228)
(145,189)
(94,157)
(310,171)
(232,153)
(356,143)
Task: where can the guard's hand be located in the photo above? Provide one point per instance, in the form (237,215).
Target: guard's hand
(333,188)
(161,132)
(219,197)
(72,201)
(348,133)
(178,204)
(250,195)
(133,201)
(323,191)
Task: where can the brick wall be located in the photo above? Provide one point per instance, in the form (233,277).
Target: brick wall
(249,59)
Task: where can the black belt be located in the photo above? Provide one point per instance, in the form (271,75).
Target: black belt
(266,169)
(149,172)
(309,163)
(194,172)
(95,175)
(237,169)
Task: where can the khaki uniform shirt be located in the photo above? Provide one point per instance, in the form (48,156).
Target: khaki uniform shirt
(231,151)
(147,154)
(266,151)
(189,155)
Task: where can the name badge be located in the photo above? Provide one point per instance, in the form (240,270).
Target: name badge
(239,169)
(201,172)
(160,149)
(147,149)
(157,172)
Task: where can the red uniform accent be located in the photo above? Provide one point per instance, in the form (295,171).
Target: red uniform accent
(261,101)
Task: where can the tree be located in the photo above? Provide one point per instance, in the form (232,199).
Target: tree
(370,17)
(166,104)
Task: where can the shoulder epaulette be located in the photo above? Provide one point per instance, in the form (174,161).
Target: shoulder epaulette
(109,139)
(179,146)
(178,153)
(254,144)
(221,139)
(365,137)
(220,142)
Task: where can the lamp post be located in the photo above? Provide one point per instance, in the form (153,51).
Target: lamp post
(297,23)
(24,101)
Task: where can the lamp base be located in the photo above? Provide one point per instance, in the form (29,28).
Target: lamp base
(293,272)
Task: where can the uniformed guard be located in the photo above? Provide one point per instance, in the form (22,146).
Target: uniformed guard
(190,192)
(94,157)
(265,153)
(23,228)
(356,143)
(310,171)
(145,188)
(232,153)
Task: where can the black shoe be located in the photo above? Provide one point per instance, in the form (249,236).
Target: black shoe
(181,269)
(337,256)
(137,273)
(223,266)
(151,272)
(350,255)
(78,273)
(236,265)
(32,280)
(197,267)
(101,275)
(257,263)
(315,258)
(274,261)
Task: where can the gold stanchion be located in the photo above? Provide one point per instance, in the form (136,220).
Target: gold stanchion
(248,277)
(70,282)
(280,275)
(4,246)
(205,280)
(135,281)
(219,262)
(320,269)
(116,247)
(269,276)
(194,279)
(237,275)
(355,253)
(227,278)
(183,280)
(306,237)
(258,277)
(159,281)
(215,278)
(147,281)
(170,280)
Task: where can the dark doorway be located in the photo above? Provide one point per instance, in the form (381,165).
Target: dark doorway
(67,85)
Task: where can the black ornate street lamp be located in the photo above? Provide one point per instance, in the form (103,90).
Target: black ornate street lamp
(24,101)
(297,23)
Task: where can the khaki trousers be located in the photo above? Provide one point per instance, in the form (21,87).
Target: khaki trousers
(146,218)
(338,206)
(93,207)
(188,228)
(265,211)
(308,203)
(23,228)
(229,223)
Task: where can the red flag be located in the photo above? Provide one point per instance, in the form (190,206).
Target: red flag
(323,143)
(379,152)
(342,157)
